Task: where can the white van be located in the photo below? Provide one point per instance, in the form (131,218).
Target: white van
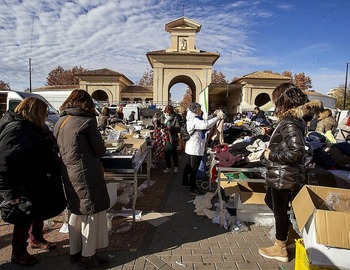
(56,98)
(10,99)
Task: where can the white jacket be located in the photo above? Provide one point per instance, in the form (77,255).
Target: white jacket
(195,146)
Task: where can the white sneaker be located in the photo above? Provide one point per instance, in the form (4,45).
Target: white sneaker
(167,170)
(176,169)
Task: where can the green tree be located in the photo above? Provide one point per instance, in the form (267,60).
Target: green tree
(60,76)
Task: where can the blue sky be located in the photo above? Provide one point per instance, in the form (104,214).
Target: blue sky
(310,36)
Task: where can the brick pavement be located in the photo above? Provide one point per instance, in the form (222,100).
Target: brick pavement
(186,241)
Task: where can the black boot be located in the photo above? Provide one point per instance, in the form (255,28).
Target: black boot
(94,262)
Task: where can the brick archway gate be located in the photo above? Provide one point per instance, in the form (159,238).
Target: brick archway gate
(182,62)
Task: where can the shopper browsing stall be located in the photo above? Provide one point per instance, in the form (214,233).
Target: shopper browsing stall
(196,146)
(285,161)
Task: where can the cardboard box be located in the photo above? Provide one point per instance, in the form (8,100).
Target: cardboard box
(259,217)
(247,193)
(249,201)
(139,144)
(321,255)
(121,126)
(326,233)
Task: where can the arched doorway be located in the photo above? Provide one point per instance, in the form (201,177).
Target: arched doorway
(100,96)
(262,99)
(178,83)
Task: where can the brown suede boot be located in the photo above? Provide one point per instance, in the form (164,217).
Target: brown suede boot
(278,251)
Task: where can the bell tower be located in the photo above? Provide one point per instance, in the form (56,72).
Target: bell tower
(182,62)
(183,35)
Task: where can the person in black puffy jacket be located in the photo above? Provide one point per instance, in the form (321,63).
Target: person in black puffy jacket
(285,160)
(30,172)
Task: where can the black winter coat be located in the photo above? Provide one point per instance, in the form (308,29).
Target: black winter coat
(288,156)
(285,166)
(29,166)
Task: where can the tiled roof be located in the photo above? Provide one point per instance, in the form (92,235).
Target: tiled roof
(102,71)
(137,89)
(264,75)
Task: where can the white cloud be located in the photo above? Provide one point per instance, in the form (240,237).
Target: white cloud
(117,35)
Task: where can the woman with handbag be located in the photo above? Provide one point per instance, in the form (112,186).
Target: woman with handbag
(30,177)
(285,159)
(81,147)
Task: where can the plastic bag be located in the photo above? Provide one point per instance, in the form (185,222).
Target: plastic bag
(237,226)
(168,146)
(329,137)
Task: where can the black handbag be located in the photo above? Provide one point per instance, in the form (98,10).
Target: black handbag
(16,213)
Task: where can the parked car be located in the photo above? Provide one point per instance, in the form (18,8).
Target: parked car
(10,99)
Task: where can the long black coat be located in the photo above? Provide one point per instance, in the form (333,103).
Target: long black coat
(29,166)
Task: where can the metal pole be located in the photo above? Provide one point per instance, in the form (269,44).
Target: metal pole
(30,75)
(346,84)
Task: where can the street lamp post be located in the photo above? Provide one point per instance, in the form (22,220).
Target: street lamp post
(30,75)
(346,84)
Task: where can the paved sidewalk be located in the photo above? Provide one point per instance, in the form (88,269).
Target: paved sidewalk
(185,241)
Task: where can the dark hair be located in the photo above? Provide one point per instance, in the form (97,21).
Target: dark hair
(79,98)
(194,106)
(169,109)
(287,96)
(34,110)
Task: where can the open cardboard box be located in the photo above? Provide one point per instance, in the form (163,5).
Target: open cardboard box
(326,233)
(249,192)
(333,228)
(249,201)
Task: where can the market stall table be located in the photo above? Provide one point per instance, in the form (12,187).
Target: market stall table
(129,174)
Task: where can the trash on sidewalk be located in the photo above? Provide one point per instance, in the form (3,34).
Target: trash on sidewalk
(203,202)
(64,228)
(126,212)
(181,264)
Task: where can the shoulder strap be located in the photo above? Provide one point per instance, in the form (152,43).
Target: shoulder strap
(65,121)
